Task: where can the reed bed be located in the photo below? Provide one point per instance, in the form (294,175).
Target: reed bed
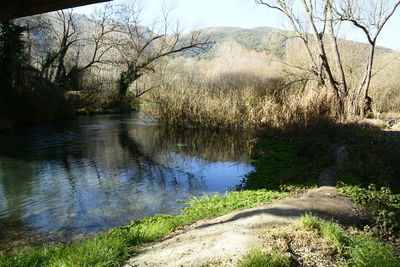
(240,88)
(235,99)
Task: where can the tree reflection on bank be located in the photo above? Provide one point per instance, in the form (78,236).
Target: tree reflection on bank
(65,181)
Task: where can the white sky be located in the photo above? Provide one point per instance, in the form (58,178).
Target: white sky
(241,13)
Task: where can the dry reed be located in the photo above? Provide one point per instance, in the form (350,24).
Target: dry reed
(244,89)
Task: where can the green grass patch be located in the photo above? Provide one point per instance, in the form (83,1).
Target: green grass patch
(311,222)
(359,250)
(327,229)
(288,164)
(118,244)
(257,258)
(368,252)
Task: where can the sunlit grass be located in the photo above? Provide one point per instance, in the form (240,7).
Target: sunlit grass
(368,252)
(328,229)
(257,258)
(359,249)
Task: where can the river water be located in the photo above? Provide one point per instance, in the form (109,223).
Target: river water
(65,181)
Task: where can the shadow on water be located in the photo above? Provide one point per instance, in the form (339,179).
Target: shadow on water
(65,181)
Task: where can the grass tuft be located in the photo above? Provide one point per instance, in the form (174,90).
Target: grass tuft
(257,258)
(332,231)
(310,222)
(327,229)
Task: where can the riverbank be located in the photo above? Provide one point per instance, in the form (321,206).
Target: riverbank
(289,232)
(224,240)
(290,166)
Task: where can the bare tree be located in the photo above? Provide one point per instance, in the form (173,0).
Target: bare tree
(66,34)
(321,20)
(64,49)
(370,16)
(141,48)
(309,20)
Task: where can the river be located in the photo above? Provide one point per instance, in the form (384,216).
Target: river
(65,181)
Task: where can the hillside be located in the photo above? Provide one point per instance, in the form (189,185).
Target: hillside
(260,39)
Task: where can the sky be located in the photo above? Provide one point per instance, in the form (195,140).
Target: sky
(244,14)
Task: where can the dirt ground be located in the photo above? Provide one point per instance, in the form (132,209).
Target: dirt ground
(224,240)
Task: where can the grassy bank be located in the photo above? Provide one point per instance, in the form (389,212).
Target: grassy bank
(369,177)
(114,247)
(357,249)
(287,165)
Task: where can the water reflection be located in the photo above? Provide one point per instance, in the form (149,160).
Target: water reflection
(64,181)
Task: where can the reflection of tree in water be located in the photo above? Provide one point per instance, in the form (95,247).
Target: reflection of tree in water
(13,231)
(106,172)
(210,145)
(146,168)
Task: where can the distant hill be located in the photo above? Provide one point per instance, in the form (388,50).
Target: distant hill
(257,39)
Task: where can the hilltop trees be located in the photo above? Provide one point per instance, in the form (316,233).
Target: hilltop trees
(317,23)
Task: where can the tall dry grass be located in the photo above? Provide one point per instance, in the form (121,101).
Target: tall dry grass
(240,88)
(237,90)
(385,84)
(385,87)
(191,105)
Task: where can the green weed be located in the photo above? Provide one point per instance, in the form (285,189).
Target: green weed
(368,163)
(383,203)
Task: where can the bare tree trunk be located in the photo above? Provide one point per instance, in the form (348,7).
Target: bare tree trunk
(366,105)
(342,86)
(318,36)
(360,100)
